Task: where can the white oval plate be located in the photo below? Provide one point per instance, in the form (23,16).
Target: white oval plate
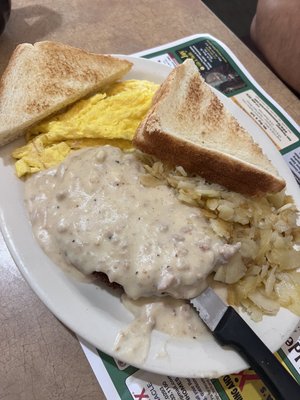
(96,313)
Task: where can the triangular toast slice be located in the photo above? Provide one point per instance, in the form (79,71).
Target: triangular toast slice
(188,125)
(43,78)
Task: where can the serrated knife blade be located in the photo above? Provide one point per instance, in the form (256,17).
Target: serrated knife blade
(210,308)
(229,328)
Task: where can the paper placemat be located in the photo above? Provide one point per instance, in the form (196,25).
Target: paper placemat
(222,70)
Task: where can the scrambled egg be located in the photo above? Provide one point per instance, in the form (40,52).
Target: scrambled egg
(104,118)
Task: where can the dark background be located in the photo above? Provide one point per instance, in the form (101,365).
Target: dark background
(237,15)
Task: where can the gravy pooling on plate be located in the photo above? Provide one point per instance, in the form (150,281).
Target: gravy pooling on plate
(95,214)
(92,212)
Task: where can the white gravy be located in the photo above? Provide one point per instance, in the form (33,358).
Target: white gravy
(174,317)
(93,212)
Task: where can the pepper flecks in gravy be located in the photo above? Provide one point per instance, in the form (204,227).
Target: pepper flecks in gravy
(93,212)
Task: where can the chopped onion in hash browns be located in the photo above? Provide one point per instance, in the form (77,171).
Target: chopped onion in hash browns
(263,276)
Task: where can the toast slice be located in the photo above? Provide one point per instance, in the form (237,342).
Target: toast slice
(43,78)
(188,125)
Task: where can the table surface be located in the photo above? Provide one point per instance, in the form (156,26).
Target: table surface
(41,358)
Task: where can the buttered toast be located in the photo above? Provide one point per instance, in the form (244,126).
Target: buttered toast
(188,125)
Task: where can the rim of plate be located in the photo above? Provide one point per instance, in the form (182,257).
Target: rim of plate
(76,304)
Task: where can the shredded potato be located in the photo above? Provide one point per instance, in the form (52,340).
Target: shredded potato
(263,276)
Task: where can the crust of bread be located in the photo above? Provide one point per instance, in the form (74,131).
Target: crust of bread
(214,166)
(45,77)
(203,137)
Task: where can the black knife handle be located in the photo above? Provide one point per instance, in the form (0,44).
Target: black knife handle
(233,330)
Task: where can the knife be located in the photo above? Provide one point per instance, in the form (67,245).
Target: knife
(230,329)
